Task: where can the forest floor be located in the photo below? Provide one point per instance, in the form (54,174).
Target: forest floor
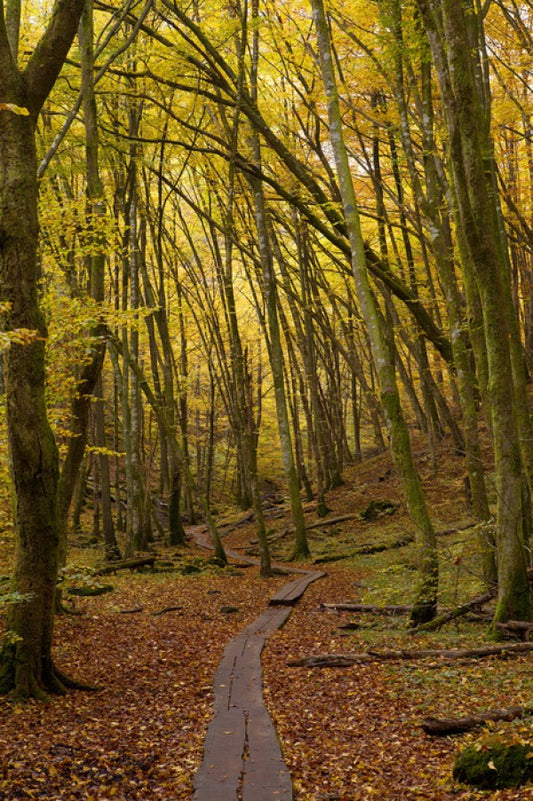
(347,734)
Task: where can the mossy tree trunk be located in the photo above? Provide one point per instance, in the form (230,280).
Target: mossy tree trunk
(434,208)
(452,29)
(26,666)
(425,602)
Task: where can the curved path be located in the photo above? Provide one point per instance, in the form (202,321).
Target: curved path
(242,756)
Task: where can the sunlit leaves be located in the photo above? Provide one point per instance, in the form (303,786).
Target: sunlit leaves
(14,109)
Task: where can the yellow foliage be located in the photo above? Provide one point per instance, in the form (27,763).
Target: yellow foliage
(20,110)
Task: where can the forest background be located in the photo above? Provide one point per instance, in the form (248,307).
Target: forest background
(272,241)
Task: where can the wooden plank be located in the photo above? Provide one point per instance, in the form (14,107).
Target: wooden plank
(272,619)
(242,756)
(292,592)
(219,776)
(266,777)
(223,681)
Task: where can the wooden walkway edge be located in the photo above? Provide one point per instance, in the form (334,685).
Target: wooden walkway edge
(242,755)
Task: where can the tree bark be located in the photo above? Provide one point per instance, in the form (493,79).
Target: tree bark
(81,403)
(26,666)
(425,604)
(451,27)
(112,550)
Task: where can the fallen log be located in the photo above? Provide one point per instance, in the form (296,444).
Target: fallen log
(346,660)
(516,628)
(456,529)
(334,557)
(391,609)
(442,727)
(272,537)
(330,521)
(126,564)
(363,550)
(459,611)
(232,524)
(368,550)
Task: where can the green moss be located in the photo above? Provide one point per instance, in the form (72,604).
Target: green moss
(377,509)
(493,767)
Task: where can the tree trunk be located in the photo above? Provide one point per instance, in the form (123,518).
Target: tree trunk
(112,550)
(81,403)
(301,548)
(26,666)
(425,604)
(452,34)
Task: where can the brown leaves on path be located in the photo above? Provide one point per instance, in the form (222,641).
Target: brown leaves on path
(141,736)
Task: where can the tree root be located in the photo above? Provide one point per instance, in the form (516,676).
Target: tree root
(74,684)
(20,682)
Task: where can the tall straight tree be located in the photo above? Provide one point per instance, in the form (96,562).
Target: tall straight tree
(26,665)
(301,546)
(425,602)
(95,263)
(453,29)
(436,216)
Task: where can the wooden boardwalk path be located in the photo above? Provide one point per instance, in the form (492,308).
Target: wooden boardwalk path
(242,755)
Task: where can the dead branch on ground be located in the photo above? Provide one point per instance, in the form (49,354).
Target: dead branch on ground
(459,611)
(391,609)
(442,727)
(347,660)
(126,564)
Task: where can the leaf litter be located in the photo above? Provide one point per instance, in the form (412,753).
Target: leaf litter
(346,734)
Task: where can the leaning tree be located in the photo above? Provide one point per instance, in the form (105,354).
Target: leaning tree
(26,666)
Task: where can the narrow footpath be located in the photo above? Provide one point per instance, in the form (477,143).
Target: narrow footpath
(242,756)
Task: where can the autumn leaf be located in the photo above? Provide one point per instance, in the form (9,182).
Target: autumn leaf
(20,110)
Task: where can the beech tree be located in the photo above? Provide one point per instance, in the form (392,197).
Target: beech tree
(454,32)
(26,665)
(95,264)
(425,603)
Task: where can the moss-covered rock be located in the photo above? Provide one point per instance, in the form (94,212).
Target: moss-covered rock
(377,509)
(493,766)
(189,569)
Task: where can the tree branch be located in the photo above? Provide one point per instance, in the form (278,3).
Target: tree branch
(51,51)
(7,65)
